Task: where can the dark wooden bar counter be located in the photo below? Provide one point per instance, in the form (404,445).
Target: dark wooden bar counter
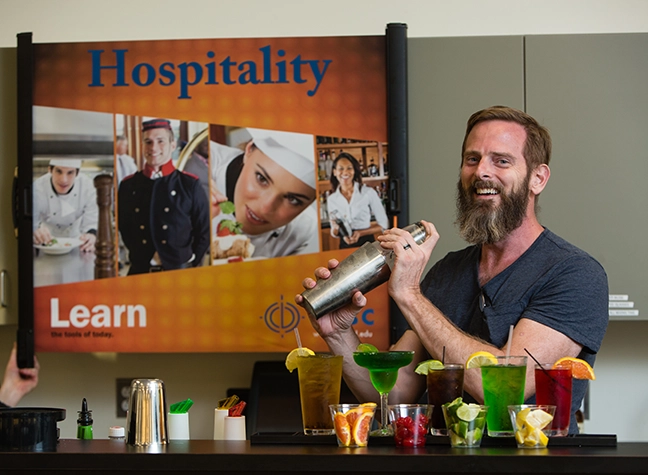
(240,457)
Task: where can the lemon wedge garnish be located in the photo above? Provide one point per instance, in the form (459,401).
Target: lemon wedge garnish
(291,359)
(538,419)
(481,358)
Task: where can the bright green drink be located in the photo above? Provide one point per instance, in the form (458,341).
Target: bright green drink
(503,386)
(383,367)
(383,371)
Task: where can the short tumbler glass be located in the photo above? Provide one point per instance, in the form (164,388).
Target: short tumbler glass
(466,430)
(532,424)
(410,423)
(353,423)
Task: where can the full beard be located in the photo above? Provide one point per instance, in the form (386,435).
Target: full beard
(483,222)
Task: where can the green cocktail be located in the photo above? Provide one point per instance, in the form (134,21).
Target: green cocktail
(503,386)
(383,369)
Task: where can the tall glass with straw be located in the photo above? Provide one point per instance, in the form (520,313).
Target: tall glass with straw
(320,377)
(554,387)
(503,385)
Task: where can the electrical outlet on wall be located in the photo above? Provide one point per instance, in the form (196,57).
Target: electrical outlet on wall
(123,391)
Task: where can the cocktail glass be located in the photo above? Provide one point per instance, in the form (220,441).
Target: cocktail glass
(554,387)
(320,377)
(383,369)
(443,385)
(503,386)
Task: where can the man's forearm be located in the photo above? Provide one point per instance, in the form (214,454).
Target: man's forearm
(356,377)
(441,337)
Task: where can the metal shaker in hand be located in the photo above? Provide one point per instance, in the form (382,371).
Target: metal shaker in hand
(364,270)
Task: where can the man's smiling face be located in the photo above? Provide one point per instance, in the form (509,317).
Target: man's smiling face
(493,189)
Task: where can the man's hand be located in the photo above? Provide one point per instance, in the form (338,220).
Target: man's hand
(17,382)
(42,236)
(338,321)
(411,258)
(87,242)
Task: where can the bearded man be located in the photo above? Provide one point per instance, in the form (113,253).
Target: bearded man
(515,273)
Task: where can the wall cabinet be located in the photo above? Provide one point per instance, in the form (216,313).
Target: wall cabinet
(8,162)
(591,91)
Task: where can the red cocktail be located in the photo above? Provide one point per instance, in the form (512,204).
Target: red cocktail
(554,387)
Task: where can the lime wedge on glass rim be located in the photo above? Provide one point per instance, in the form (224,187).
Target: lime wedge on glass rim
(424,367)
(366,348)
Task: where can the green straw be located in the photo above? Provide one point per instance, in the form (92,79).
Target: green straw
(181,407)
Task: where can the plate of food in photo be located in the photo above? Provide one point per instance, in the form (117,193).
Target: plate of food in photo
(59,245)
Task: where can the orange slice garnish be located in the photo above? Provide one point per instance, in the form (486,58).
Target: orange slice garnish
(581,369)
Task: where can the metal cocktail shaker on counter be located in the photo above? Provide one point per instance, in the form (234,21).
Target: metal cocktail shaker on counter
(146,421)
(364,270)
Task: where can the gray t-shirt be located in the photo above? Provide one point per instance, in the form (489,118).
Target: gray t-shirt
(553,283)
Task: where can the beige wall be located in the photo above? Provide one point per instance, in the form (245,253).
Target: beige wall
(82,20)
(67,378)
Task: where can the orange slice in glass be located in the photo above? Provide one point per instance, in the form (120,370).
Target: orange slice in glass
(342,428)
(361,429)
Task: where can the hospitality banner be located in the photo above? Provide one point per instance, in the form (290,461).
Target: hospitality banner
(200,260)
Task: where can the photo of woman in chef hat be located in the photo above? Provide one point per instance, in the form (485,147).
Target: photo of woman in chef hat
(267,193)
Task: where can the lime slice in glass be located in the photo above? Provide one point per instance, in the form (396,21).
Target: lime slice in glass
(451,407)
(468,412)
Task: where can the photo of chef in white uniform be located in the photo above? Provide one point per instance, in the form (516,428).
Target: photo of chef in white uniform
(71,147)
(65,205)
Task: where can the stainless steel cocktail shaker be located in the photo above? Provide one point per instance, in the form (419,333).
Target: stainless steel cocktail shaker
(364,270)
(146,421)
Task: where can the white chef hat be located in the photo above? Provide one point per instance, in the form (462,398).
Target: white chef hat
(65,162)
(293,151)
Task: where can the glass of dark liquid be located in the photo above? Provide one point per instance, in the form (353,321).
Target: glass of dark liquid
(443,385)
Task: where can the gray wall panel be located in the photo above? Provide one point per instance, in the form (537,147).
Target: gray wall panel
(592,92)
